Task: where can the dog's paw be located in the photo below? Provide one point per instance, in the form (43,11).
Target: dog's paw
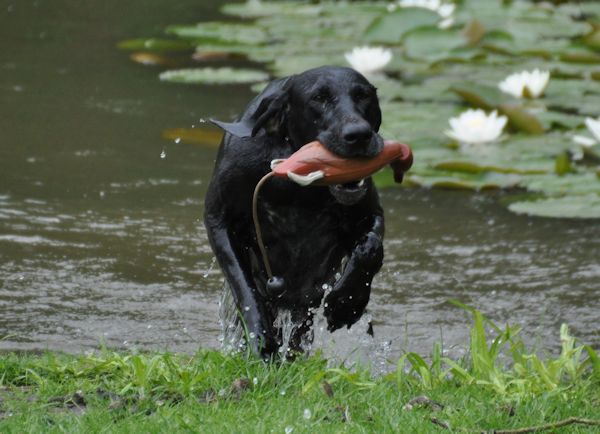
(368,253)
(263,344)
(345,308)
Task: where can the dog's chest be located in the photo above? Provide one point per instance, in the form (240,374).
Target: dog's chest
(295,226)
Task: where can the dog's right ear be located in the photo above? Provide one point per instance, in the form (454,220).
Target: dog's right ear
(269,114)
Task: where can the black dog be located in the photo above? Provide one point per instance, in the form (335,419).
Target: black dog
(308,231)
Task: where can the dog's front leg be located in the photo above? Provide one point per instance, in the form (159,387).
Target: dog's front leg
(250,304)
(348,299)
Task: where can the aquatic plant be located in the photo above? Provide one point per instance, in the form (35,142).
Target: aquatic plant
(368,60)
(525,84)
(437,73)
(475,127)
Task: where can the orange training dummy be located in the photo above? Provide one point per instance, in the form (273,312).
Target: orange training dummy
(315,164)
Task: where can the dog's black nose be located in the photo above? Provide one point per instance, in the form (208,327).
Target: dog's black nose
(357,133)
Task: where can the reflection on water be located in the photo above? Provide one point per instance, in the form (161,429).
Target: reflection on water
(100,219)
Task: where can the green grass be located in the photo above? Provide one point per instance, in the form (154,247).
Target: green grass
(499,385)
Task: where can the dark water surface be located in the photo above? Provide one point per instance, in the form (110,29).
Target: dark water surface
(101,238)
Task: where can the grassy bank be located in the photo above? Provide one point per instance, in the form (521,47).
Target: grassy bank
(498,386)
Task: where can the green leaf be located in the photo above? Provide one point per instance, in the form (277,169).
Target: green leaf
(255,9)
(219,32)
(433,44)
(562,164)
(574,206)
(474,32)
(480,96)
(391,27)
(573,183)
(223,75)
(155,44)
(580,57)
(521,119)
(210,137)
(471,167)
(592,39)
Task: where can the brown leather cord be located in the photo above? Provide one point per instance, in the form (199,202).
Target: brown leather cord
(259,239)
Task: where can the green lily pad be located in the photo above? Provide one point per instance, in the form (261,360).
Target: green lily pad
(433,74)
(389,28)
(255,9)
(585,207)
(552,120)
(577,184)
(480,96)
(210,137)
(221,33)
(155,44)
(463,181)
(520,119)
(214,75)
(433,44)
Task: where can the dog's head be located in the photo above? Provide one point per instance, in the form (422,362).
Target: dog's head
(334,105)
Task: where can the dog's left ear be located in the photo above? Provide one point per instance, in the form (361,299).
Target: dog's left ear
(269,114)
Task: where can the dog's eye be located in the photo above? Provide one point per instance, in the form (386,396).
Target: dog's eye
(321,96)
(360,93)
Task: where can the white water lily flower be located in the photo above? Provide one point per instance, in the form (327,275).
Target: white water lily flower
(585,141)
(593,125)
(475,127)
(525,84)
(369,60)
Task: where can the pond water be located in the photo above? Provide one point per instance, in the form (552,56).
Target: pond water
(101,235)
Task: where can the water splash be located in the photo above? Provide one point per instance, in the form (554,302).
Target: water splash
(210,268)
(232,332)
(163,154)
(345,346)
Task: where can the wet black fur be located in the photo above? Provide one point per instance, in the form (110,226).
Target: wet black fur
(307,231)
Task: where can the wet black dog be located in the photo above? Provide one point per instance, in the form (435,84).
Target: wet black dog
(308,231)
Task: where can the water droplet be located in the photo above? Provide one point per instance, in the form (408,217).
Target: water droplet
(255,381)
(289,429)
(350,297)
(326,304)
(163,154)
(178,139)
(202,120)
(252,335)
(149,326)
(307,414)
(325,287)
(246,308)
(102,194)
(282,393)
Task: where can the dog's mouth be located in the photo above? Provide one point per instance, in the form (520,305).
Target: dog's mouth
(350,192)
